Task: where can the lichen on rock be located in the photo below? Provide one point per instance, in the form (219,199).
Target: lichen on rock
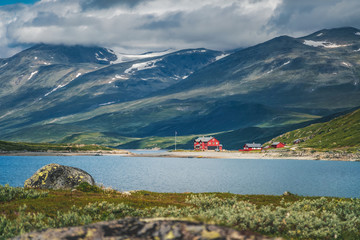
(138,229)
(55,176)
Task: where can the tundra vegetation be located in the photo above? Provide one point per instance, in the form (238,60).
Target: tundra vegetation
(339,134)
(289,216)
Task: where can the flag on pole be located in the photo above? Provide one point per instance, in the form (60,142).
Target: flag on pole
(175,139)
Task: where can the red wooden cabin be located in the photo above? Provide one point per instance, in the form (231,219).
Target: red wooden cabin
(278,145)
(207,143)
(251,146)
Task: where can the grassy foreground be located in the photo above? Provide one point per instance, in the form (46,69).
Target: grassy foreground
(290,216)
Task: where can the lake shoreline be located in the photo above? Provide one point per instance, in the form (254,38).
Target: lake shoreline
(63,153)
(295,155)
(292,155)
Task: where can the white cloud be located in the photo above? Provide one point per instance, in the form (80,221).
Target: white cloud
(307,16)
(140,25)
(148,25)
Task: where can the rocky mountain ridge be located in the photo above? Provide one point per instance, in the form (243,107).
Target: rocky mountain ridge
(280,82)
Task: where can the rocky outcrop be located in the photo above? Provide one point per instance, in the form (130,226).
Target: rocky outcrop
(55,176)
(133,228)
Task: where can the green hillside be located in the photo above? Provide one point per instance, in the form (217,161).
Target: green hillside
(231,140)
(43,147)
(341,132)
(182,142)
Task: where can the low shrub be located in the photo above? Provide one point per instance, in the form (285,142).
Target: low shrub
(86,187)
(8,193)
(321,218)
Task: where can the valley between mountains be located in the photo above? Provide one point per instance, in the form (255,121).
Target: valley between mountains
(79,94)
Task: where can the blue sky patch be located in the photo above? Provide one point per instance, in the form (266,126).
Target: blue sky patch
(8,2)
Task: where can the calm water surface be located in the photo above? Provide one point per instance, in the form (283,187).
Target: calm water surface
(243,176)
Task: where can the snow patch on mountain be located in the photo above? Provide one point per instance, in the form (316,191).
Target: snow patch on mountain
(3,65)
(99,58)
(320,34)
(192,51)
(117,76)
(123,57)
(6,114)
(284,64)
(142,66)
(324,44)
(346,64)
(357,33)
(32,74)
(104,104)
(55,89)
(197,51)
(61,85)
(357,50)
(110,51)
(221,56)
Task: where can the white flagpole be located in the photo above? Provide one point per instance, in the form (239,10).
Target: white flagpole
(175,140)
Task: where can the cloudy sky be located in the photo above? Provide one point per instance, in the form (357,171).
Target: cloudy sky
(145,25)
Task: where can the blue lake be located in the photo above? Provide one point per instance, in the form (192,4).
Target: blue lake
(242,176)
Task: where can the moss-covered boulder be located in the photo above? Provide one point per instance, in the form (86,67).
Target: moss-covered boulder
(55,176)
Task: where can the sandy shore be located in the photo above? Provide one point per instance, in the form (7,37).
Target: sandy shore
(294,155)
(256,155)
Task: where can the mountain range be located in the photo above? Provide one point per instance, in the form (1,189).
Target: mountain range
(54,93)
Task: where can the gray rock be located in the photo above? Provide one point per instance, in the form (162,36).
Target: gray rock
(55,176)
(133,228)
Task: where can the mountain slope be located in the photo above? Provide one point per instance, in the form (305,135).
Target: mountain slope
(341,132)
(288,72)
(274,84)
(67,85)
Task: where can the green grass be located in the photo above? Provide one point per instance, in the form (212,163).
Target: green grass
(43,147)
(160,142)
(340,133)
(291,119)
(100,138)
(290,216)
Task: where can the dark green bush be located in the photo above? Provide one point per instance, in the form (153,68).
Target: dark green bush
(86,187)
